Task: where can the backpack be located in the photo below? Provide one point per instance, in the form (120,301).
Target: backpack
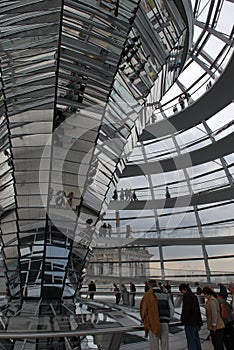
(226,312)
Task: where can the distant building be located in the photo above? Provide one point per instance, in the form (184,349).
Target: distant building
(105,262)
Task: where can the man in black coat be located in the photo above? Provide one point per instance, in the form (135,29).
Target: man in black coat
(191,317)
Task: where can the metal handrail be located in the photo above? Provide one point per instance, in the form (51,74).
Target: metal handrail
(74,333)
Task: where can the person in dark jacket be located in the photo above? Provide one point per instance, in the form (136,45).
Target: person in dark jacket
(223,291)
(92,289)
(132,293)
(191,317)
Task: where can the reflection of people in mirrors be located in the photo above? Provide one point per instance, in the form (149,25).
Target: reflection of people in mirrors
(60,199)
(115,195)
(50,195)
(167,193)
(70,199)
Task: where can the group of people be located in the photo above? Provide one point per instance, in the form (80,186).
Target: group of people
(156,309)
(128,297)
(105,230)
(127,195)
(186,97)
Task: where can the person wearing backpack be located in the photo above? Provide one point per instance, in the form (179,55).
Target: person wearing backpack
(228,319)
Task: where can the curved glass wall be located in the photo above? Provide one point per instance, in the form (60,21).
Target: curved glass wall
(186,147)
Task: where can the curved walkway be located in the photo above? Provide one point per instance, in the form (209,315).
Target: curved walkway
(221,92)
(218,149)
(206,197)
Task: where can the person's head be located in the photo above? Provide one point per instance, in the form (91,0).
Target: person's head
(196,284)
(184,288)
(152,284)
(89,221)
(208,292)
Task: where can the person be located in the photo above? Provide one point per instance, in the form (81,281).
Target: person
(146,286)
(117,293)
(167,193)
(230,287)
(121,196)
(89,229)
(104,229)
(115,195)
(128,231)
(166,312)
(191,317)
(175,109)
(70,199)
(181,102)
(109,229)
(167,286)
(223,290)
(126,192)
(161,286)
(134,196)
(188,98)
(91,289)
(198,288)
(132,294)
(150,316)
(228,319)
(214,320)
(125,294)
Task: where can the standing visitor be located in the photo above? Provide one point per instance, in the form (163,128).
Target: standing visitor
(228,319)
(191,317)
(117,293)
(91,289)
(231,290)
(198,288)
(166,312)
(214,320)
(132,294)
(167,193)
(150,317)
(125,294)
(223,290)
(146,286)
(181,102)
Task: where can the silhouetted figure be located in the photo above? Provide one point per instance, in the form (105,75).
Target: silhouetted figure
(117,293)
(121,196)
(146,286)
(104,228)
(181,102)
(132,293)
(223,291)
(70,199)
(175,109)
(125,295)
(109,229)
(167,286)
(198,288)
(128,231)
(167,193)
(115,195)
(92,289)
(134,196)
